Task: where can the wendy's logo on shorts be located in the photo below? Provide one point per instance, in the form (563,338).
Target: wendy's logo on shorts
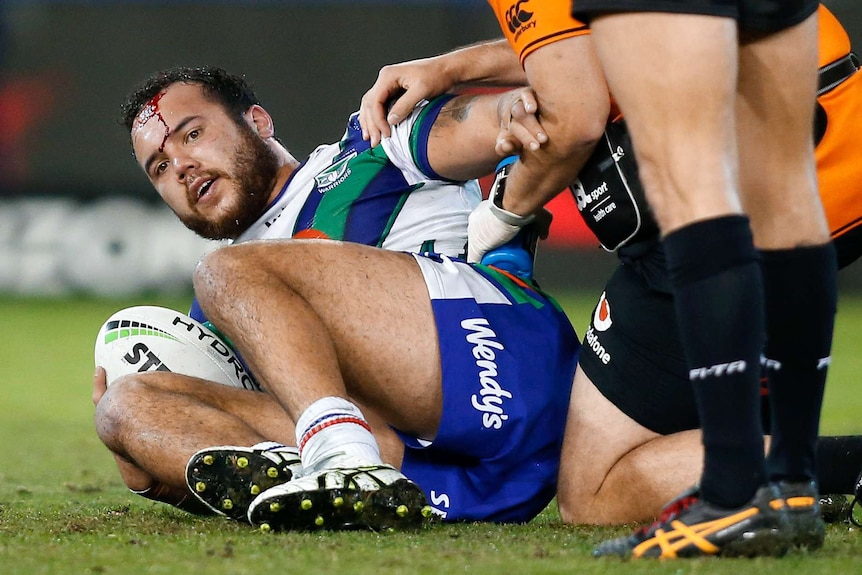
(602,315)
(517,16)
(489,400)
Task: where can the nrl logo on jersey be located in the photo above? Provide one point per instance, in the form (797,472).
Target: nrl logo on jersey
(334,175)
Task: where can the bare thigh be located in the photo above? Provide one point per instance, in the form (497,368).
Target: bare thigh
(616,471)
(679,112)
(303,305)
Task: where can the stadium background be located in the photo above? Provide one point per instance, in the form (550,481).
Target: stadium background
(76,213)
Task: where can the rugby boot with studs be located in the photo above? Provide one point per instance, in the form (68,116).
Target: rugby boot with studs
(228,478)
(361,496)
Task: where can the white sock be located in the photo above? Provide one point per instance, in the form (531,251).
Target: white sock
(333,432)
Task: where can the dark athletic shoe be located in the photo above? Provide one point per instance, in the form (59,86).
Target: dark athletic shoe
(228,478)
(802,502)
(691,527)
(376,497)
(834,508)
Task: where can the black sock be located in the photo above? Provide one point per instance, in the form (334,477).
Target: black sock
(717,285)
(839,461)
(800,289)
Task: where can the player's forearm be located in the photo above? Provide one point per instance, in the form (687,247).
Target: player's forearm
(488,63)
(461,146)
(573,106)
(531,185)
(540,175)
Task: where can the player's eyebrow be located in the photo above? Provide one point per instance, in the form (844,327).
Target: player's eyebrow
(179,127)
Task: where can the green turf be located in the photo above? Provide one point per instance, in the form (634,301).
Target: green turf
(63,508)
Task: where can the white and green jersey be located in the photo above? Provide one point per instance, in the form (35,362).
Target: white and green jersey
(387,196)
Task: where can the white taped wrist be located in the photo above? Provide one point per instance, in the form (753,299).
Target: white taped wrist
(510,218)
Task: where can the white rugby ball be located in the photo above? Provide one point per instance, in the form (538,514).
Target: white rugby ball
(151,338)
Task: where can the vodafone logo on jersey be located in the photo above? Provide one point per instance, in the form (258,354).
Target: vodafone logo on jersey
(601,322)
(602,316)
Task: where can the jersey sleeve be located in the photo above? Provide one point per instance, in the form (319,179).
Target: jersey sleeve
(407,148)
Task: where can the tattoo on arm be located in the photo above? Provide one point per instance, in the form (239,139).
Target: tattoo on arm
(456,110)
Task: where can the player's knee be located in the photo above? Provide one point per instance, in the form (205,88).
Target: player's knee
(209,267)
(574,509)
(115,411)
(215,268)
(568,512)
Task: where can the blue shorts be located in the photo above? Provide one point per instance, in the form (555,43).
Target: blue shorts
(509,355)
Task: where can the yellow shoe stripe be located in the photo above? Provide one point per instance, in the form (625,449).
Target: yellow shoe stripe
(682,535)
(801,501)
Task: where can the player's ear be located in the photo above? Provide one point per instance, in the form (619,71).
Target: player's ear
(260,121)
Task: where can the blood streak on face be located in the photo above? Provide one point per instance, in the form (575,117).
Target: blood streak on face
(150,110)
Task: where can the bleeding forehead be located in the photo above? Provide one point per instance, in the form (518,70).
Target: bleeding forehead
(164,110)
(149,111)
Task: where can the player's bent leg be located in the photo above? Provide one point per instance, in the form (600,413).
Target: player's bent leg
(350,319)
(605,477)
(510,356)
(316,321)
(227,478)
(143,420)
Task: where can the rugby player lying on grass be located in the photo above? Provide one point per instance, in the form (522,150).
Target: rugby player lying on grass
(145,421)
(473,367)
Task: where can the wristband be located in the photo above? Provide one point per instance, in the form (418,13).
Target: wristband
(498,189)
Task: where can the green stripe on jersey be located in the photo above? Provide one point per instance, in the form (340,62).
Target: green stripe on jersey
(334,209)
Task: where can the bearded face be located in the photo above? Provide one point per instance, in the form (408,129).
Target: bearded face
(253,173)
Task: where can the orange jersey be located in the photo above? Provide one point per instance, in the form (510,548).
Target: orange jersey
(530,24)
(839,168)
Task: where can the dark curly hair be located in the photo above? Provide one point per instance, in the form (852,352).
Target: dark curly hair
(229,90)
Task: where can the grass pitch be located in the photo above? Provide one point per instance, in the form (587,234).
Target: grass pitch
(63,508)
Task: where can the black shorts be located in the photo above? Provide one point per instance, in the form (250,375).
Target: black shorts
(632,351)
(752,15)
